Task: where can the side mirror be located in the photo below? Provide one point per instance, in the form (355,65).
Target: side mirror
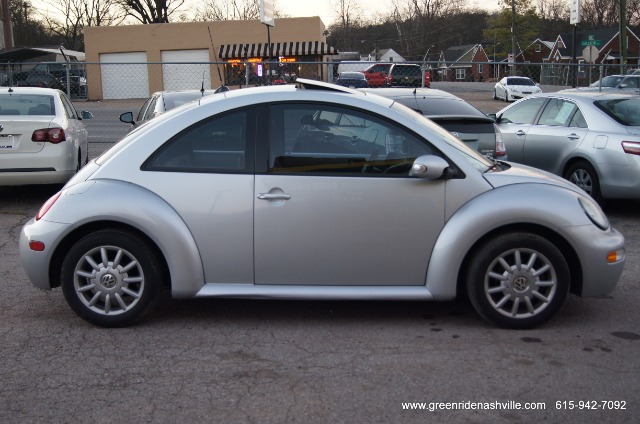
(493,116)
(127,118)
(429,167)
(86,115)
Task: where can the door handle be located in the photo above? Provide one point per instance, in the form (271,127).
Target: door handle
(274,196)
(573,136)
(520,133)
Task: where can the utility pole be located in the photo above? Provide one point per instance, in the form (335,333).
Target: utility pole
(513,36)
(6,25)
(623,36)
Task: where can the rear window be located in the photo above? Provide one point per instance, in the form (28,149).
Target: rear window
(625,111)
(440,106)
(26,104)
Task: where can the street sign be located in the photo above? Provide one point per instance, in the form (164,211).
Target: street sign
(596,43)
(590,54)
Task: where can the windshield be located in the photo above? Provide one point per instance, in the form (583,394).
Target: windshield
(610,81)
(625,110)
(480,162)
(520,81)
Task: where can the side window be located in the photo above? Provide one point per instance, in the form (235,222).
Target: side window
(144,107)
(68,107)
(557,112)
(352,142)
(524,112)
(218,144)
(148,114)
(578,120)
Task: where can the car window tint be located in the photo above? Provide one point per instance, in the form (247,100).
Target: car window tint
(27,104)
(68,107)
(524,112)
(333,140)
(144,107)
(557,112)
(578,120)
(149,113)
(215,145)
(624,110)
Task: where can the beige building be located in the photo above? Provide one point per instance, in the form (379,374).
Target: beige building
(134,61)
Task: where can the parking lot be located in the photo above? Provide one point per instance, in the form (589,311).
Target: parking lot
(225,360)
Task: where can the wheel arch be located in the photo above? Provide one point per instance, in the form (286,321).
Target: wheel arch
(55,266)
(140,211)
(572,161)
(571,256)
(547,210)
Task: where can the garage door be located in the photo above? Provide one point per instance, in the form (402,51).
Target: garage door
(124,75)
(189,71)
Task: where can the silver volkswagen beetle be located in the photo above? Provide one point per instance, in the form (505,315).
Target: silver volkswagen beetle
(315,191)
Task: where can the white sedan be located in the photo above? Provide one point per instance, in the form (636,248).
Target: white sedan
(42,137)
(514,88)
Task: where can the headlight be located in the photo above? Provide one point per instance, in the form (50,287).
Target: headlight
(594,212)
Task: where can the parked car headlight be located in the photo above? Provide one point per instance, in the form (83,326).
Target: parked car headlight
(594,212)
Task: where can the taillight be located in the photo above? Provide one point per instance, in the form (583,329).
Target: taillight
(47,205)
(631,147)
(500,149)
(51,135)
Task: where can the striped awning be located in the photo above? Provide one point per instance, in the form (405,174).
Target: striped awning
(288,48)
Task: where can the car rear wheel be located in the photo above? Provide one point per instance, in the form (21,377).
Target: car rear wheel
(111,278)
(585,176)
(517,280)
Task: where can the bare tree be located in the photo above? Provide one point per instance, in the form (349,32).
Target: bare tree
(151,11)
(225,10)
(69,18)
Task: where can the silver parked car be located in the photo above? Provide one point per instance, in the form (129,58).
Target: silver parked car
(476,129)
(315,191)
(621,84)
(590,138)
(162,101)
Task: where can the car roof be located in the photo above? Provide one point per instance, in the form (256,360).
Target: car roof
(398,92)
(585,95)
(29,90)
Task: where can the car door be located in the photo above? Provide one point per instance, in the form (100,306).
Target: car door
(515,122)
(336,205)
(206,173)
(559,131)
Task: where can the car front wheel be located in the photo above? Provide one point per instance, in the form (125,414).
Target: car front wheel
(517,280)
(111,278)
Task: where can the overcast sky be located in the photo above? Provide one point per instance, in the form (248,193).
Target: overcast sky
(323,8)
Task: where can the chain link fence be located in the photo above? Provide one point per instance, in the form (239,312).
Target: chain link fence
(96,81)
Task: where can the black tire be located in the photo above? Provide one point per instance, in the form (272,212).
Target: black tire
(525,293)
(585,176)
(115,293)
(495,96)
(506,96)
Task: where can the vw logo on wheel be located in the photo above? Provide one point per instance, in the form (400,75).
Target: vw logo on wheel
(108,281)
(520,284)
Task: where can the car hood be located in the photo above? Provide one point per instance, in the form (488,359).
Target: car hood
(523,87)
(522,174)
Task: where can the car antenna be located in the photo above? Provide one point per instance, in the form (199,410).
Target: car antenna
(217,64)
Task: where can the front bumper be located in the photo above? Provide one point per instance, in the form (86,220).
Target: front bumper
(36,264)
